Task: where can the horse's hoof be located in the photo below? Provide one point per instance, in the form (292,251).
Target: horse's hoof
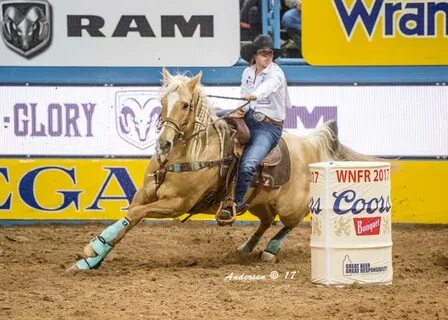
(74,268)
(89,252)
(268,257)
(244,249)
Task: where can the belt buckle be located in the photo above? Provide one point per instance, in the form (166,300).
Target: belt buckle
(259,116)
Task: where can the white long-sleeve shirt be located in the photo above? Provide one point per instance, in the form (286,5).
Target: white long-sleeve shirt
(270,88)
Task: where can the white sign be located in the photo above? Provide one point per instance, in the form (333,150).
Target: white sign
(119,33)
(376,120)
(114,121)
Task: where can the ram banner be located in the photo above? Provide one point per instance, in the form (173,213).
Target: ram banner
(375,32)
(119,33)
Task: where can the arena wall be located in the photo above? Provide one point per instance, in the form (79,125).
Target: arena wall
(66,157)
(70,152)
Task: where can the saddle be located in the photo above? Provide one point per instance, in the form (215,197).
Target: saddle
(275,168)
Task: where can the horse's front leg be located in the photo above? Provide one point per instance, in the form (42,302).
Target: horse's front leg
(250,244)
(101,245)
(266,216)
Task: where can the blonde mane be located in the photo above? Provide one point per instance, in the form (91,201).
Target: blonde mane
(204,114)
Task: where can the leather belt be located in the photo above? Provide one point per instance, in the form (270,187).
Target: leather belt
(261,117)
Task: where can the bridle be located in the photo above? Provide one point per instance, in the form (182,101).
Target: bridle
(159,174)
(180,129)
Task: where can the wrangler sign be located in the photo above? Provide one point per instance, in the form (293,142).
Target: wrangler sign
(375,32)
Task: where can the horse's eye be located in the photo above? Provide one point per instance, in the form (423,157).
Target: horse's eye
(185,105)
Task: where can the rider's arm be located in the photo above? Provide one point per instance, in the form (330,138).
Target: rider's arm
(269,86)
(244,89)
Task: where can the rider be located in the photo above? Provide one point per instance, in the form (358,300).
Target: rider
(263,83)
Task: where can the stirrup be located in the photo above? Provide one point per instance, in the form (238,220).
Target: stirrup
(233,214)
(223,221)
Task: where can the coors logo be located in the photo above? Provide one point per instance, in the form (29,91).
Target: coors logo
(25,25)
(137,113)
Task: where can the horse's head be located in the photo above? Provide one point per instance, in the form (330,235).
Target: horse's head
(180,98)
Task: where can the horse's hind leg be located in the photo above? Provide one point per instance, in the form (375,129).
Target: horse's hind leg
(275,244)
(264,213)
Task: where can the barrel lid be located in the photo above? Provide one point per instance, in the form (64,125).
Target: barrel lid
(349,164)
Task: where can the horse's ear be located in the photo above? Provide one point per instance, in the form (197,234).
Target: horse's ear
(194,81)
(166,75)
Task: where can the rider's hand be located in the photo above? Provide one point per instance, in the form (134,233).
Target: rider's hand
(250,97)
(239,113)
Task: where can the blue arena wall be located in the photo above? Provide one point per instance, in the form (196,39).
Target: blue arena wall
(296,71)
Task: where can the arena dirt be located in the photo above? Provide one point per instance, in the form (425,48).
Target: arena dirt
(178,271)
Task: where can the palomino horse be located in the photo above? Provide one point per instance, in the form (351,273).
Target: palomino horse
(187,165)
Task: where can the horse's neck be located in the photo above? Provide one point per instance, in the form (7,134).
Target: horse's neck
(202,147)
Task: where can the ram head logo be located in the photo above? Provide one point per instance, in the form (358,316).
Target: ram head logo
(137,114)
(25,25)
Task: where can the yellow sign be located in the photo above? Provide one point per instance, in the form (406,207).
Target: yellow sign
(86,189)
(71,189)
(375,32)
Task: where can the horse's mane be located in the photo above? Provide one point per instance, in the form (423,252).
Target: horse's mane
(172,84)
(204,113)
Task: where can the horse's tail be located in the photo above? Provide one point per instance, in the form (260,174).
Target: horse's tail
(327,146)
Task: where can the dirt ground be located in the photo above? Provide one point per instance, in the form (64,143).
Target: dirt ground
(177,271)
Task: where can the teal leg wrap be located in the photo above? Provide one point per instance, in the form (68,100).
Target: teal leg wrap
(102,244)
(276,242)
(90,263)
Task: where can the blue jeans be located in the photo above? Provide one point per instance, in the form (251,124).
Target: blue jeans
(292,19)
(292,22)
(263,138)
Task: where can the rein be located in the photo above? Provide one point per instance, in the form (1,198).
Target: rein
(224,97)
(176,128)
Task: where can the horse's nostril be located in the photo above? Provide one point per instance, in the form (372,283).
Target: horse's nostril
(164,145)
(167,145)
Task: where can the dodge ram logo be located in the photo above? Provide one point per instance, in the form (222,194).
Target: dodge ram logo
(137,113)
(25,25)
